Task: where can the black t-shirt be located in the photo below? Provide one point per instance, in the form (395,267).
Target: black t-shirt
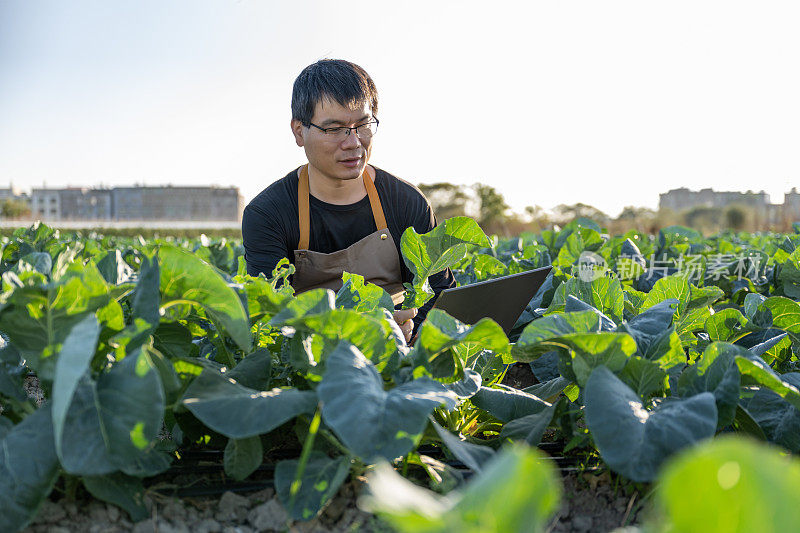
(271,231)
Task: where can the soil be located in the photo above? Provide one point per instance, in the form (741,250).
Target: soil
(519,376)
(590,503)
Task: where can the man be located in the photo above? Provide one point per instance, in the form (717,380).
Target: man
(338,213)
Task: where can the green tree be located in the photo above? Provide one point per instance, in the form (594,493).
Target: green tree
(567,213)
(11,208)
(493,207)
(636,213)
(447,200)
(735,217)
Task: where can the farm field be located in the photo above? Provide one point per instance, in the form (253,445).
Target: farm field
(646,368)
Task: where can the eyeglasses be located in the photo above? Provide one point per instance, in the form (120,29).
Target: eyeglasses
(340,133)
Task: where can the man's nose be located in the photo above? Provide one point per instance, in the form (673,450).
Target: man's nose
(351,140)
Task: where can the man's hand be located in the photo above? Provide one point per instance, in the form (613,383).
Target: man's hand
(403,319)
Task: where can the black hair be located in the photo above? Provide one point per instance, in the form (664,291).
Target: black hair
(342,81)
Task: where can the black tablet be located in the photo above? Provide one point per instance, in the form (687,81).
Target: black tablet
(501,299)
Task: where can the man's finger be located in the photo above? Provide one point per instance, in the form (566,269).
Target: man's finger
(407,327)
(404,314)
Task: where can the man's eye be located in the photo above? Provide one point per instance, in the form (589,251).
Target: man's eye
(334,131)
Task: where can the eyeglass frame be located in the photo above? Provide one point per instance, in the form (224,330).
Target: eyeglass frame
(348,128)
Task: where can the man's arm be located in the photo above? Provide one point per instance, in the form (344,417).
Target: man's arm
(264,241)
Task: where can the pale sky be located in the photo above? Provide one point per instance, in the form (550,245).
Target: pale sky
(602,102)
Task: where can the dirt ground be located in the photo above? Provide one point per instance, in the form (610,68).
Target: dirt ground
(590,503)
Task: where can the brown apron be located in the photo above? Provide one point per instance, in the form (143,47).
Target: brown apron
(374,257)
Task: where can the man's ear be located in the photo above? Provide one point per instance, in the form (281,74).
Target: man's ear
(297,130)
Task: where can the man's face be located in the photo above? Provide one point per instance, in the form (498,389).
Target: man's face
(328,156)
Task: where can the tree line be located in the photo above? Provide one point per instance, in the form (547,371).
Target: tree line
(485,204)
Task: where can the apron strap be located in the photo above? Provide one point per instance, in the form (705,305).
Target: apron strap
(304,213)
(302,208)
(374,201)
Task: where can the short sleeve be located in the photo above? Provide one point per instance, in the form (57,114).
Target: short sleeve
(264,241)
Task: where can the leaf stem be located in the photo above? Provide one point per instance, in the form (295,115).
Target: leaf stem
(333,440)
(177,302)
(308,445)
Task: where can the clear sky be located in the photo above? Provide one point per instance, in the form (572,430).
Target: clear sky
(602,102)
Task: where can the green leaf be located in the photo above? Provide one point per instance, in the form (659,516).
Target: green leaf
(751,303)
(263,299)
(6,425)
(114,269)
(704,296)
(744,423)
(36,262)
(320,482)
(675,287)
(467,386)
(674,235)
(242,457)
(38,316)
(779,419)
(254,371)
(489,364)
(691,322)
(745,486)
(726,325)
(442,247)
(785,315)
(634,441)
(530,345)
(12,372)
(121,490)
(440,335)
(789,276)
(549,389)
(486,267)
(507,403)
(518,490)
(643,376)
(633,301)
(309,303)
(650,327)
(187,278)
(529,428)
(371,422)
(239,412)
(574,305)
(580,353)
(360,296)
(474,456)
(73,362)
(28,469)
(146,297)
(113,422)
(755,371)
(579,240)
(313,312)
(715,372)
(174,340)
(604,294)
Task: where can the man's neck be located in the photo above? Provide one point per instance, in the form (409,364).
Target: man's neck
(337,192)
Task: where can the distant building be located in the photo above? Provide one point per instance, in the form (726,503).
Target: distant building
(176,203)
(791,203)
(683,198)
(85,204)
(136,203)
(12,193)
(45,204)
